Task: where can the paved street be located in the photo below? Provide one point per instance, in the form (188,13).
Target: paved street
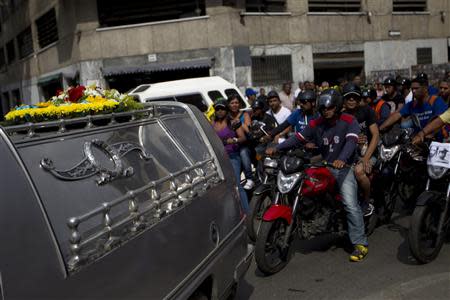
(318,271)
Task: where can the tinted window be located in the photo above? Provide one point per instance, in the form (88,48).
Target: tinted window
(214,95)
(141,89)
(161,99)
(232,92)
(194,99)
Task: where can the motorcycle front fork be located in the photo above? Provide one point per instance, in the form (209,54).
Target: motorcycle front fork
(290,227)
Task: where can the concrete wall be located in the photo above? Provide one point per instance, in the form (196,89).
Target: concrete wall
(393,55)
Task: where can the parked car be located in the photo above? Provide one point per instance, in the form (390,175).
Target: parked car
(132,205)
(200,92)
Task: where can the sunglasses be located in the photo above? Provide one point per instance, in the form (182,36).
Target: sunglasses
(220,108)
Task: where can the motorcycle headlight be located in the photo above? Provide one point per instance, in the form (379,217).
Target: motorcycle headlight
(436,172)
(286,183)
(387,154)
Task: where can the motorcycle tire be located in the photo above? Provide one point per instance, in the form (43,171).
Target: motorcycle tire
(270,237)
(371,222)
(422,221)
(258,205)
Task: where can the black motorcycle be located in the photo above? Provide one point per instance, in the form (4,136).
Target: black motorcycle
(401,172)
(431,218)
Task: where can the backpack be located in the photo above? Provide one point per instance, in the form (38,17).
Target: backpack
(378,108)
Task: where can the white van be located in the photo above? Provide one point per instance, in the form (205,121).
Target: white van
(201,92)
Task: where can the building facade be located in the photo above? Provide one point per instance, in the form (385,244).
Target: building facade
(48,45)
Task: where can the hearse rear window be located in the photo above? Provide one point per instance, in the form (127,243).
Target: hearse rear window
(233,92)
(215,95)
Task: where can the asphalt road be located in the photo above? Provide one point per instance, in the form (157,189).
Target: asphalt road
(321,270)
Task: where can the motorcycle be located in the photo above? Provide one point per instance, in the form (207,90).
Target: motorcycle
(262,196)
(306,202)
(400,174)
(430,219)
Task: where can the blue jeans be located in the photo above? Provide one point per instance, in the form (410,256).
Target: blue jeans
(244,152)
(349,191)
(236,163)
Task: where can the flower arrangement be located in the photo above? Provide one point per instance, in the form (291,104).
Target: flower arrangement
(74,102)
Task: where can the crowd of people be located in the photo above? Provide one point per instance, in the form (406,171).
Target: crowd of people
(342,123)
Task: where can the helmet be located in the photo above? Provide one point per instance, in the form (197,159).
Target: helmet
(330,98)
(273,94)
(351,89)
(390,81)
(307,96)
(369,93)
(406,82)
(258,103)
(221,102)
(422,76)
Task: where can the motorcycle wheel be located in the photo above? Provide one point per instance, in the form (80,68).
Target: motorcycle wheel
(258,205)
(270,256)
(388,200)
(371,222)
(424,240)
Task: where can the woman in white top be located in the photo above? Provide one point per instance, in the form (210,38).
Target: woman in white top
(279,112)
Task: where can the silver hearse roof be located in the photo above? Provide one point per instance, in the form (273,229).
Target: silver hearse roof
(102,180)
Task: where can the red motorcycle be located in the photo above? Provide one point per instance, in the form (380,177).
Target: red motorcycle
(306,202)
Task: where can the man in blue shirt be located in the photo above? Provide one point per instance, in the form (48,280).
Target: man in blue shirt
(424,106)
(299,118)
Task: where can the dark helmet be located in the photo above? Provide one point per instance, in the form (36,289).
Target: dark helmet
(422,76)
(330,98)
(369,93)
(406,82)
(351,89)
(221,102)
(273,94)
(307,96)
(390,81)
(258,103)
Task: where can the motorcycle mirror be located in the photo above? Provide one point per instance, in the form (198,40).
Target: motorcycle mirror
(416,121)
(236,126)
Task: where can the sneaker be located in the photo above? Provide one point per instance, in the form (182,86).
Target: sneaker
(250,184)
(368,210)
(359,253)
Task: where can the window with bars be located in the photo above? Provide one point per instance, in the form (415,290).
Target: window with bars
(409,5)
(334,5)
(47,28)
(2,59)
(265,5)
(10,51)
(25,43)
(269,70)
(119,12)
(424,56)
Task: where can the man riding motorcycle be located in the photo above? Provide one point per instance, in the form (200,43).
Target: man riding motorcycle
(368,140)
(335,134)
(300,117)
(425,107)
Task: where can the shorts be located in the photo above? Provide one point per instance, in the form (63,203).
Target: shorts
(373,161)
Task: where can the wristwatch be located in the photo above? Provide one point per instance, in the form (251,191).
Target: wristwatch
(235,140)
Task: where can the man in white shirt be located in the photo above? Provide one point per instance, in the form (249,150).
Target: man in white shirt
(287,96)
(279,112)
(299,89)
(406,90)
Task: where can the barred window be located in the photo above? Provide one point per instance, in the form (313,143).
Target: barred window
(2,58)
(265,6)
(334,5)
(424,56)
(25,43)
(271,70)
(10,51)
(47,28)
(409,5)
(119,12)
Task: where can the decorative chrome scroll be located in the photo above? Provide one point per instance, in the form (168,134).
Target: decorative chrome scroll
(90,166)
(158,199)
